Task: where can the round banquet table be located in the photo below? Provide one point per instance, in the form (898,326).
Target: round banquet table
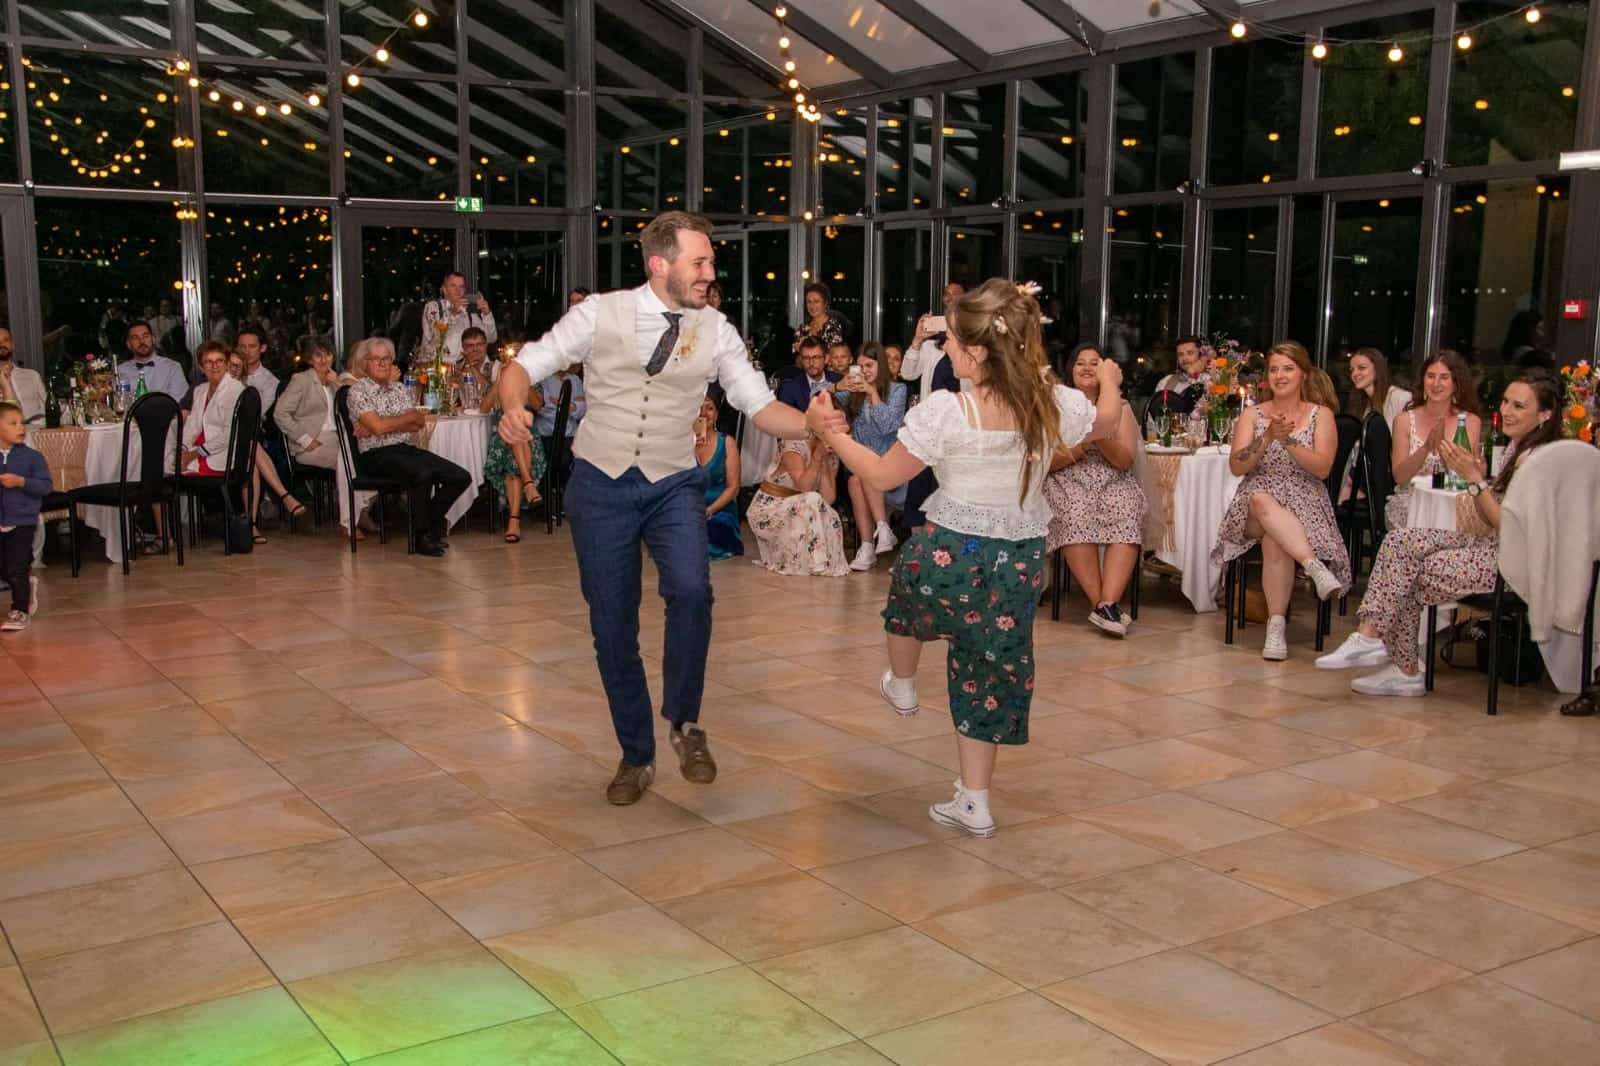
(1195,490)
(1431,508)
(462,439)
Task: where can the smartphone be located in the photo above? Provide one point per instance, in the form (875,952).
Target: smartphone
(700,427)
(855,371)
(472,300)
(937,324)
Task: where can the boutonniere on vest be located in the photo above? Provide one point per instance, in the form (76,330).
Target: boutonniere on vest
(686,344)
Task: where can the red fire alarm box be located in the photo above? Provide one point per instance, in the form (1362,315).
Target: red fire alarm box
(1575,309)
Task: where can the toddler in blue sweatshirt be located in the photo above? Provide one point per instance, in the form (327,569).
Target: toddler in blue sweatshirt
(24,482)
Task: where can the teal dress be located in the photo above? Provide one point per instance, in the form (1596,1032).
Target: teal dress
(722,528)
(500,464)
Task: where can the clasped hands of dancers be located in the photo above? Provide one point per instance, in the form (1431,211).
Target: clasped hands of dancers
(971,576)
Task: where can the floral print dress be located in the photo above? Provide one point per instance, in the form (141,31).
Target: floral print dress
(799,535)
(1092,502)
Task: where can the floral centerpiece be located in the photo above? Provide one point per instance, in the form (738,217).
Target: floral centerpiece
(1227,364)
(1583,386)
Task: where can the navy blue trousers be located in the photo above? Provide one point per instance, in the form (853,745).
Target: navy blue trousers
(611,518)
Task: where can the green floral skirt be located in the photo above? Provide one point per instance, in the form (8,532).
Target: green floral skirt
(980,594)
(499,463)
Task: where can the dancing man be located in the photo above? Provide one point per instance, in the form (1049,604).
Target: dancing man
(648,354)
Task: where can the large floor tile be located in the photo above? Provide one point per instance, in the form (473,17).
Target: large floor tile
(504,899)
(1526,816)
(1019,1031)
(1478,1022)
(256,885)
(248,829)
(1059,851)
(923,882)
(1178,901)
(1378,774)
(1176,824)
(1341,1044)
(1283,798)
(1303,869)
(459,846)
(777,917)
(108,912)
(685,863)
(1558,884)
(46,865)
(19,1016)
(545,1040)
(827,833)
(1565,977)
(1410,839)
(249,1029)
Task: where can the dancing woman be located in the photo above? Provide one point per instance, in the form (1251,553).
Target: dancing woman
(972,575)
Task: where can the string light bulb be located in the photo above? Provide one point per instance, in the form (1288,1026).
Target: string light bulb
(1396,53)
(1319,51)
(1238,30)
(313,99)
(420,20)
(788,66)
(1532,14)
(381,55)
(285,109)
(782,12)
(794,83)
(783,42)
(352,79)
(1464,42)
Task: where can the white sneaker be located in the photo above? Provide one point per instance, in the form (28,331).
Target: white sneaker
(1389,682)
(866,557)
(1276,646)
(1321,577)
(962,812)
(15,622)
(1357,650)
(884,539)
(900,693)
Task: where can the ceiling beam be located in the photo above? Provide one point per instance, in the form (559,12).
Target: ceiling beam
(803,24)
(1069,20)
(940,32)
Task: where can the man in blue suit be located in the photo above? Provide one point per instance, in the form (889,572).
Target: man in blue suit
(798,390)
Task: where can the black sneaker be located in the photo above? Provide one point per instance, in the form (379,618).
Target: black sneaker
(1108,618)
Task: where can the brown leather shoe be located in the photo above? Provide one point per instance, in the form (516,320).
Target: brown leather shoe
(627,788)
(694,755)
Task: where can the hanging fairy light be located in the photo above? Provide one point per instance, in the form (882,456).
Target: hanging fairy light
(791,83)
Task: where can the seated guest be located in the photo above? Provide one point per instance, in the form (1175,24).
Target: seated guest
(305,409)
(1096,500)
(251,344)
(1371,389)
(1417,568)
(895,357)
(839,358)
(355,363)
(721,464)
(876,405)
(1444,391)
(1283,451)
(821,321)
(208,429)
(266,470)
(714,296)
(550,389)
(158,373)
(387,425)
(20,386)
(475,361)
(1191,368)
(798,390)
(513,471)
(577,296)
(797,530)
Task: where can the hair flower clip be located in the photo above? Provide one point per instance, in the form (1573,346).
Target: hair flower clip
(1029,288)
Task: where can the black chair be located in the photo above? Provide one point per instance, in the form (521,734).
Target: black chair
(1235,579)
(1171,402)
(1061,584)
(235,484)
(61,501)
(1505,605)
(555,465)
(1361,518)
(355,482)
(155,415)
(318,481)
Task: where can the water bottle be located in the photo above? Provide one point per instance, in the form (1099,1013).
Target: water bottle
(126,394)
(411,387)
(1452,480)
(469,392)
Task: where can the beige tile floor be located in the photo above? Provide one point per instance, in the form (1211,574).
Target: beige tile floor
(299,808)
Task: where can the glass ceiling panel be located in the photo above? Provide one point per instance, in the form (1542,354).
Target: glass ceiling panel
(997,27)
(520,39)
(879,33)
(757,30)
(281,29)
(132,23)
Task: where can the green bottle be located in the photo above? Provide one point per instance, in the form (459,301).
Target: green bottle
(140,388)
(1464,442)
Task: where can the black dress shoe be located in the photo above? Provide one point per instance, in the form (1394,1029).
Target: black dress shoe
(429,546)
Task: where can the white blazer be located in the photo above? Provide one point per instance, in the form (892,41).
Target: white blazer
(215,419)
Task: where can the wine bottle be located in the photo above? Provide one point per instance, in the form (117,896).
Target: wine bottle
(1494,448)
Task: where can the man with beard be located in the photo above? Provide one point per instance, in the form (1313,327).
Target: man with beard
(158,373)
(648,354)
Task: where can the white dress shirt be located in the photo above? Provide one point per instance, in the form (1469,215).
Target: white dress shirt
(439,310)
(571,340)
(918,365)
(29,387)
(265,382)
(160,375)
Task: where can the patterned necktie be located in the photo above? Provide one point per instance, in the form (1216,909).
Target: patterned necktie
(664,346)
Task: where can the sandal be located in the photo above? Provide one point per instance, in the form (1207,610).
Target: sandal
(530,493)
(257,537)
(293,512)
(514,538)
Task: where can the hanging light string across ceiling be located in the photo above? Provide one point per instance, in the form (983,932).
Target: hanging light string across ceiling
(1322,44)
(804,105)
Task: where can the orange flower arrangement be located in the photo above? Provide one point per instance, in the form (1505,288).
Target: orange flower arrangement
(1583,384)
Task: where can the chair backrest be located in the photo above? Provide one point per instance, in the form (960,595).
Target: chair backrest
(346,432)
(1169,402)
(1347,429)
(1375,469)
(154,414)
(558,441)
(243,435)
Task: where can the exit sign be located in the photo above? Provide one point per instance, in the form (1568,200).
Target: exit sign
(469,205)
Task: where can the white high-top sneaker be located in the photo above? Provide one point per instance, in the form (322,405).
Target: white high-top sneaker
(1321,577)
(965,811)
(866,557)
(1276,646)
(900,693)
(884,538)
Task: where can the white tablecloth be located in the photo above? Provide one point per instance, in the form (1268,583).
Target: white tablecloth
(102,465)
(462,439)
(1430,508)
(1204,489)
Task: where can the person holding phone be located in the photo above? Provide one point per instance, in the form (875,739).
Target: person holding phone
(459,310)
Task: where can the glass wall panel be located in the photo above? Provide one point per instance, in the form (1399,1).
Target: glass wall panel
(974,145)
(1373,302)
(101,122)
(771,163)
(1050,252)
(641,157)
(401,270)
(271,267)
(1243,274)
(100,265)
(841,266)
(724,72)
(974,252)
(521,274)
(1373,108)
(1255,112)
(728,250)
(638,47)
(1144,270)
(8,122)
(841,157)
(1514,93)
(250,145)
(1154,116)
(1053,112)
(519,146)
(905,153)
(723,155)
(520,39)
(1305,274)
(296,31)
(1505,249)
(905,279)
(146,23)
(372,24)
(402,139)
(770,328)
